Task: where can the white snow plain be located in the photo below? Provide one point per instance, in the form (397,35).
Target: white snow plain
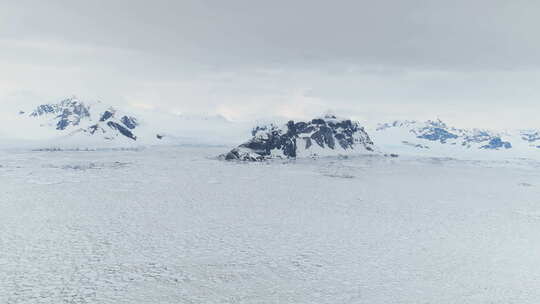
(176,225)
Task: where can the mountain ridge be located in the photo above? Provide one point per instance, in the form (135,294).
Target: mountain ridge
(319,136)
(73,116)
(84,123)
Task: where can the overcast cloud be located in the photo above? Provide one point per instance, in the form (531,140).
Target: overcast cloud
(474,63)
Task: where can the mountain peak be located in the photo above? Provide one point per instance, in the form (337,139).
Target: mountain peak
(320,136)
(77,117)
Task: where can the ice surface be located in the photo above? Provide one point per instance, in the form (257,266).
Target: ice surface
(175,225)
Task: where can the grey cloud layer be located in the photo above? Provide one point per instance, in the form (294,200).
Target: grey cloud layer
(491,34)
(393,56)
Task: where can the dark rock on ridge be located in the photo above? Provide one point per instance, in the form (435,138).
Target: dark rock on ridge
(69,112)
(328,134)
(497,143)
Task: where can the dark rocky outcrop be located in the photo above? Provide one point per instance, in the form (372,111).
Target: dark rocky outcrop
(328,134)
(123,130)
(106,115)
(437,134)
(130,122)
(68,112)
(497,143)
(124,126)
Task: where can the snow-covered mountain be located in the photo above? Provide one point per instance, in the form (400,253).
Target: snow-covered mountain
(434,137)
(327,135)
(72,117)
(73,123)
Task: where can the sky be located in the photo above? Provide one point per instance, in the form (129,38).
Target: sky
(472,63)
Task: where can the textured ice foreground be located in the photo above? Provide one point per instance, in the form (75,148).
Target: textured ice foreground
(173,225)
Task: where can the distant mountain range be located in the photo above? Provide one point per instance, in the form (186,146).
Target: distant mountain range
(88,123)
(73,122)
(436,137)
(439,132)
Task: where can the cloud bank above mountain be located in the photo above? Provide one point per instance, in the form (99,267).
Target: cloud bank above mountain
(475,63)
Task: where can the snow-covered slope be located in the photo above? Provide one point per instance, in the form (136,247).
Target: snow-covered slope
(436,138)
(323,136)
(73,123)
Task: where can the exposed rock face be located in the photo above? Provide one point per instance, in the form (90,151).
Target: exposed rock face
(320,136)
(106,115)
(436,131)
(130,122)
(109,121)
(68,112)
(76,117)
(531,136)
(497,143)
